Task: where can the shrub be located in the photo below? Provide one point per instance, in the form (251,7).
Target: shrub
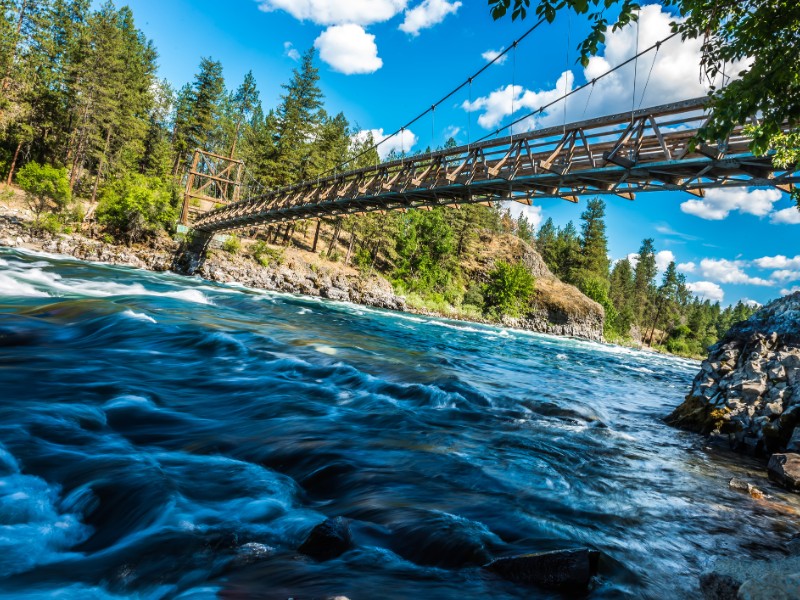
(46,188)
(137,206)
(48,222)
(265,255)
(509,290)
(232,245)
(473,296)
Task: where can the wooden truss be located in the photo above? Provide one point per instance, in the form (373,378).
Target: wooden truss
(643,151)
(213,182)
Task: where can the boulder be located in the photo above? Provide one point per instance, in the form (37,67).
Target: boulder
(779,586)
(747,386)
(561,570)
(735,579)
(748,488)
(329,539)
(784,469)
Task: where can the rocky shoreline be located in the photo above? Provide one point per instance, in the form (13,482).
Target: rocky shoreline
(299,273)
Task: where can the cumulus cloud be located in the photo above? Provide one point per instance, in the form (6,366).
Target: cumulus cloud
(508,100)
(290,51)
(427,14)
(337,12)
(533,213)
(792,290)
(729,271)
(784,275)
(663,258)
(753,303)
(490,55)
(402,142)
(787,216)
(675,76)
(349,49)
(687,267)
(707,290)
(778,262)
(719,203)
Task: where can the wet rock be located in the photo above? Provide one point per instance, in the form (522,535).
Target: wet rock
(748,385)
(784,469)
(748,488)
(329,539)
(779,586)
(561,570)
(719,586)
(252,552)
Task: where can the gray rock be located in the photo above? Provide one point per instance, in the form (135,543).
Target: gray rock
(778,586)
(329,539)
(784,469)
(561,570)
(794,441)
(748,488)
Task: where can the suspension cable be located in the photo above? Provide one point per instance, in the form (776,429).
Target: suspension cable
(647,81)
(544,107)
(455,90)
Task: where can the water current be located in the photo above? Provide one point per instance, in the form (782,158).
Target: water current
(166,437)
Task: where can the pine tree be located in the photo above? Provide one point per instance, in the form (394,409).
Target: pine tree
(205,102)
(622,295)
(643,279)
(546,244)
(298,119)
(243,103)
(594,244)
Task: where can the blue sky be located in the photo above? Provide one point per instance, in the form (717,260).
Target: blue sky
(384,61)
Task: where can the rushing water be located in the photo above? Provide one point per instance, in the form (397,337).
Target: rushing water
(164,437)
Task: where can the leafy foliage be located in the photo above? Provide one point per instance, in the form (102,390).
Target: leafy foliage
(509,289)
(136,206)
(46,188)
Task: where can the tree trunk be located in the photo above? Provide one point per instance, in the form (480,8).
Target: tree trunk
(350,248)
(101,165)
(316,236)
(235,138)
(13,164)
(335,236)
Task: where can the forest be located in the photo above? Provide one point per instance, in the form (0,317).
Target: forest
(88,130)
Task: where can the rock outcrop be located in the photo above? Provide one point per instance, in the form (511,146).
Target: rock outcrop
(748,390)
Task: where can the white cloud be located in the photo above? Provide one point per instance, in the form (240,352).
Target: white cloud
(753,303)
(427,14)
(729,271)
(719,203)
(675,76)
(533,213)
(785,275)
(402,142)
(337,12)
(663,258)
(687,267)
(792,290)
(349,49)
(787,216)
(290,51)
(490,55)
(451,132)
(778,262)
(706,290)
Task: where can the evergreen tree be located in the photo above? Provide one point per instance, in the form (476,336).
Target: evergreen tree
(644,280)
(546,244)
(243,103)
(622,295)
(594,245)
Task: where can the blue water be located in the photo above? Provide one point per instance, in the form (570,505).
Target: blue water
(165,437)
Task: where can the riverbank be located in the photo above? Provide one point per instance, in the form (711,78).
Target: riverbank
(557,308)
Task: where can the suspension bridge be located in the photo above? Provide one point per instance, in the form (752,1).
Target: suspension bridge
(642,150)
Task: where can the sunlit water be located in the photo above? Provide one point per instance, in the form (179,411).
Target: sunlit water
(164,437)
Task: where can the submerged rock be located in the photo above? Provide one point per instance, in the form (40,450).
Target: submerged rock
(749,387)
(743,486)
(329,539)
(754,580)
(561,570)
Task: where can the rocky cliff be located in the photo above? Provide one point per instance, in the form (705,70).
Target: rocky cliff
(748,390)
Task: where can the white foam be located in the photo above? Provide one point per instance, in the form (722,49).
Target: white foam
(326,350)
(3,263)
(139,316)
(11,287)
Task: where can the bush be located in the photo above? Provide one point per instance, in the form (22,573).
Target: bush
(232,245)
(46,188)
(48,222)
(265,255)
(473,296)
(509,290)
(597,288)
(137,206)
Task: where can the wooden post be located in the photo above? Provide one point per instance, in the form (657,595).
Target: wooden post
(316,236)
(189,184)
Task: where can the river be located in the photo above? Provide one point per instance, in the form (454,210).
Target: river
(166,437)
